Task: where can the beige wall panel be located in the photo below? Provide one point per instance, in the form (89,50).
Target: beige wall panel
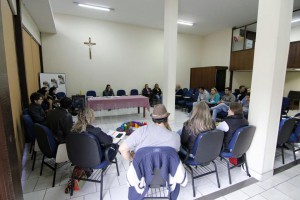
(28,62)
(13,77)
(36,63)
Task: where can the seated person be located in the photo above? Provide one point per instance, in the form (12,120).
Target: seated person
(60,121)
(242,93)
(199,122)
(157,94)
(214,96)
(147,91)
(84,123)
(52,93)
(226,99)
(232,122)
(47,102)
(35,109)
(108,91)
(178,90)
(203,96)
(157,134)
(245,104)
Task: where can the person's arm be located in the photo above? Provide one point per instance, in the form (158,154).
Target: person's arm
(37,115)
(125,151)
(66,124)
(232,99)
(184,136)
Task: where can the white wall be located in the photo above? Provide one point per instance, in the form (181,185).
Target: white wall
(295,34)
(292,82)
(125,56)
(216,50)
(241,78)
(30,25)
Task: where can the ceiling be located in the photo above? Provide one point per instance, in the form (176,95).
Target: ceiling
(208,15)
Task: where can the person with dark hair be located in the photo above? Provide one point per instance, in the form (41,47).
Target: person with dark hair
(242,93)
(52,93)
(245,104)
(108,91)
(47,103)
(60,121)
(35,109)
(158,134)
(147,91)
(157,93)
(223,104)
(232,122)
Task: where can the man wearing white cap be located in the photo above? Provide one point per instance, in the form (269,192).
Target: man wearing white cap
(154,135)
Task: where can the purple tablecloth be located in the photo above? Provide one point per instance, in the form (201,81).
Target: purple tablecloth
(115,102)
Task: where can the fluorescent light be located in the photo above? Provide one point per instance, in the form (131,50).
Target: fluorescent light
(295,20)
(296,69)
(94,7)
(185,23)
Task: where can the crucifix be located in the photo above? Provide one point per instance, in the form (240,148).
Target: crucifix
(90,44)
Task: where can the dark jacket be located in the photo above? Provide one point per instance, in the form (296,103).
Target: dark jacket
(234,122)
(102,137)
(145,92)
(179,92)
(60,122)
(188,138)
(156,91)
(37,113)
(108,93)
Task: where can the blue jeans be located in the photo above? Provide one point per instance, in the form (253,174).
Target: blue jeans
(217,109)
(159,98)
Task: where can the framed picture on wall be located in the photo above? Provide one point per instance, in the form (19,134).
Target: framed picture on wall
(57,80)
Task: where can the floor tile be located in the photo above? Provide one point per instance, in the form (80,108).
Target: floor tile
(252,190)
(273,194)
(257,197)
(236,195)
(118,193)
(35,195)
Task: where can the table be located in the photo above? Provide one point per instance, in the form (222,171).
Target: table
(118,102)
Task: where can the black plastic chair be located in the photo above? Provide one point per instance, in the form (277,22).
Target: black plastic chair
(91,93)
(285,107)
(29,128)
(84,150)
(238,147)
(121,93)
(156,165)
(294,140)
(134,92)
(285,130)
(206,149)
(50,149)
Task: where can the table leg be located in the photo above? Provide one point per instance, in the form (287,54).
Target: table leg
(138,110)
(144,112)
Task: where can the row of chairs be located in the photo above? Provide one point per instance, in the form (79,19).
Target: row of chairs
(82,150)
(93,93)
(288,136)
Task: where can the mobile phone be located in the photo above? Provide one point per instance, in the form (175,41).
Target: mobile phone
(119,135)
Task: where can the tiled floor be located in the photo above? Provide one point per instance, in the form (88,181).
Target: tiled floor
(36,187)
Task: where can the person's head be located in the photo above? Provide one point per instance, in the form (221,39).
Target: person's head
(201,119)
(52,91)
(43,91)
(108,87)
(235,109)
(247,96)
(36,98)
(146,86)
(178,87)
(85,117)
(248,90)
(242,88)
(156,85)
(160,114)
(227,90)
(201,90)
(213,91)
(66,102)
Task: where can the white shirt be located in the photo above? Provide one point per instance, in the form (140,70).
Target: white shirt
(223,126)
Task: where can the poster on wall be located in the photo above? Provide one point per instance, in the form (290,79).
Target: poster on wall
(57,80)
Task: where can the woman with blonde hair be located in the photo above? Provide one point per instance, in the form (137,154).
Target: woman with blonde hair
(214,96)
(199,122)
(84,125)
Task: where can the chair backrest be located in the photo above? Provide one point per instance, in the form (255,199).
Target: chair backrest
(297,115)
(121,93)
(241,140)
(78,101)
(91,93)
(208,146)
(46,141)
(185,91)
(84,149)
(29,126)
(134,92)
(60,95)
(285,130)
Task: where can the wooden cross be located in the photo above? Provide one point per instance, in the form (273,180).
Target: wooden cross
(90,44)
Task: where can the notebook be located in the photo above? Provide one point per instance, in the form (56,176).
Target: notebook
(116,135)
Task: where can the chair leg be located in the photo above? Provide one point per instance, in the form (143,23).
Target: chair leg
(117,166)
(72,185)
(33,160)
(193,184)
(54,175)
(282,154)
(228,169)
(101,187)
(41,172)
(217,175)
(294,153)
(247,170)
